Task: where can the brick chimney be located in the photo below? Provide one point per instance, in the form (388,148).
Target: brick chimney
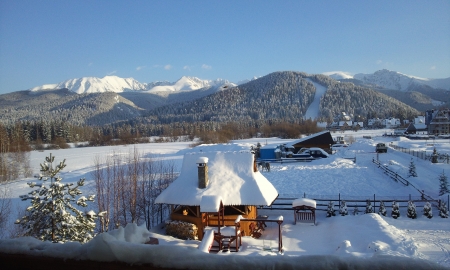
(202,165)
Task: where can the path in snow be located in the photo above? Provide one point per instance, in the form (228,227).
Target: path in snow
(313,109)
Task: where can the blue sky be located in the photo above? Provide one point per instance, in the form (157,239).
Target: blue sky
(43,42)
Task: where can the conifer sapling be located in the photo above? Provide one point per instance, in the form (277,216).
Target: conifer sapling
(51,215)
(427,211)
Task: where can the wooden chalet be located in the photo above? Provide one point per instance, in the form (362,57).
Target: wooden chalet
(321,139)
(231,176)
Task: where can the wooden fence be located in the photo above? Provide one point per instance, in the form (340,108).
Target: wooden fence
(444,158)
(352,202)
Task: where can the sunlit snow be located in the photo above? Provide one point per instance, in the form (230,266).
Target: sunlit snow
(363,240)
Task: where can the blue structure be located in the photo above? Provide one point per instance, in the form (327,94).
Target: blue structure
(267,152)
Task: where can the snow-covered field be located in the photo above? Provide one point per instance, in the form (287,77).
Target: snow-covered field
(364,240)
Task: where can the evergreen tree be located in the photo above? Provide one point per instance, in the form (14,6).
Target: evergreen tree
(51,215)
(382,209)
(330,209)
(395,210)
(369,208)
(343,211)
(443,212)
(412,169)
(411,210)
(434,156)
(427,211)
(355,211)
(443,184)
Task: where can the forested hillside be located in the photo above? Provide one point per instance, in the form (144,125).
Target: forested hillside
(283,96)
(279,96)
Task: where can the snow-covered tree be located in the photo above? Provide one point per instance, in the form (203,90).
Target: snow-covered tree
(382,209)
(427,211)
(330,209)
(412,169)
(395,210)
(51,215)
(355,211)
(369,208)
(411,210)
(434,156)
(343,211)
(443,212)
(443,184)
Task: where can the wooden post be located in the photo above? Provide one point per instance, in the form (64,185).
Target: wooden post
(280,239)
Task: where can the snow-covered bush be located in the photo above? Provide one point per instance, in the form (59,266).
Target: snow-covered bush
(443,184)
(411,210)
(355,211)
(443,212)
(412,169)
(343,211)
(330,209)
(395,210)
(369,208)
(51,215)
(382,209)
(427,211)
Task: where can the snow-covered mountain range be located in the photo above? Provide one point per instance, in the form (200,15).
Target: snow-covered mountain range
(119,85)
(384,79)
(392,80)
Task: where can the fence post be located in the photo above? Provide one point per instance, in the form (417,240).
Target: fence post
(374,204)
(339,201)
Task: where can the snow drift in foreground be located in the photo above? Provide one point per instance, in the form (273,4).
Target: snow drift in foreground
(128,245)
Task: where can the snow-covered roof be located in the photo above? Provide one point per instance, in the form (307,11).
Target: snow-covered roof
(305,202)
(231,177)
(270,146)
(291,144)
(210,204)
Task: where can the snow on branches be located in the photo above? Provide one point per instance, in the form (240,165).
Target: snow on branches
(412,169)
(443,184)
(52,215)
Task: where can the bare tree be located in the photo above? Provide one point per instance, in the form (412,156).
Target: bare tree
(127,188)
(5,210)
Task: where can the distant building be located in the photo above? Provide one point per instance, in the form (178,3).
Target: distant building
(375,123)
(391,122)
(358,125)
(341,122)
(438,121)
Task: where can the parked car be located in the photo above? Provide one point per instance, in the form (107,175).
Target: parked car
(381,148)
(310,153)
(337,147)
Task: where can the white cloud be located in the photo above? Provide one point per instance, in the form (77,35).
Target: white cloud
(433,67)
(167,67)
(187,68)
(205,66)
(140,67)
(384,64)
(112,72)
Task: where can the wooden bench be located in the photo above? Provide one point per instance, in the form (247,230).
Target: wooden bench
(303,216)
(304,210)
